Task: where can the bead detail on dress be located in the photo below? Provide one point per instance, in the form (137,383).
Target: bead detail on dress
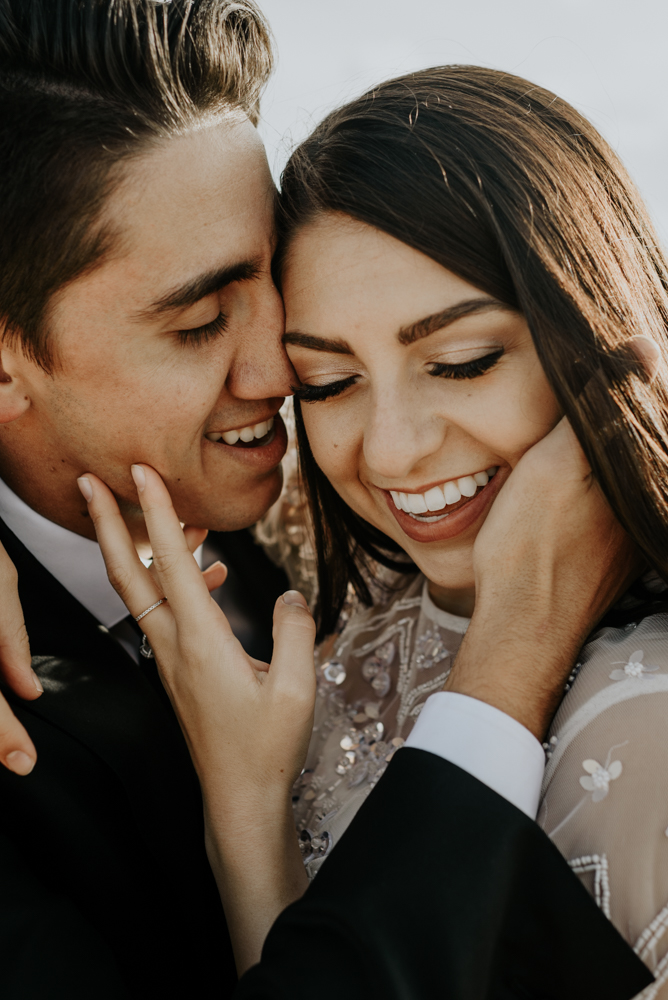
(599,777)
(333,672)
(633,668)
(598,864)
(430,649)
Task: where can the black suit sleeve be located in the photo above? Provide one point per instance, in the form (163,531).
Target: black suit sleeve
(48,951)
(441,888)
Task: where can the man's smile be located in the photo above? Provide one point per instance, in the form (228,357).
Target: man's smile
(261,445)
(251,435)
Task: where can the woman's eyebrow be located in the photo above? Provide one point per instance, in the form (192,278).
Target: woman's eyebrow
(437,321)
(313,343)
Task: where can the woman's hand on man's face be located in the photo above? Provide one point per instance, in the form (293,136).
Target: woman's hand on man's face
(549,561)
(247,723)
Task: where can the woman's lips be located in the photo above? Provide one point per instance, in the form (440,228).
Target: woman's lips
(262,457)
(455,521)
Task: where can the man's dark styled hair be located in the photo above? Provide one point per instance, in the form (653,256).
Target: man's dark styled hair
(511,189)
(84,86)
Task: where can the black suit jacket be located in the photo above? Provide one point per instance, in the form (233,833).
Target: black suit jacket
(440,888)
(105,889)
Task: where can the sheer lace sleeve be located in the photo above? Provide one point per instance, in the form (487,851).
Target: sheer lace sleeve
(605,796)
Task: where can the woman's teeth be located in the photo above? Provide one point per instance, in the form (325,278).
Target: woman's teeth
(439,497)
(244,434)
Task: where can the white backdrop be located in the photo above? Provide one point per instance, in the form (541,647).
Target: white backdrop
(607,57)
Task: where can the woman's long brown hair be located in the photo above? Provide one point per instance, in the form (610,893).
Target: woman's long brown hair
(510,188)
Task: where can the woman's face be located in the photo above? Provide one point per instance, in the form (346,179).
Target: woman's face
(417,386)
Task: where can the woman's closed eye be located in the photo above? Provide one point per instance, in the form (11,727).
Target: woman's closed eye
(202,334)
(315,393)
(466,369)
(439,369)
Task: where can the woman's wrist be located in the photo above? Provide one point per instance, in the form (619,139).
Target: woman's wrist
(517,661)
(253,851)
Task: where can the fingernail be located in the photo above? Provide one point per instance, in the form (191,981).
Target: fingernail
(86,488)
(37,682)
(19,762)
(293,597)
(139,477)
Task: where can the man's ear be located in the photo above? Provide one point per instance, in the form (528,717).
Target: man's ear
(648,352)
(14,401)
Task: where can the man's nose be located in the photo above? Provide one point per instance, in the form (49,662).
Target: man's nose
(260,368)
(399,434)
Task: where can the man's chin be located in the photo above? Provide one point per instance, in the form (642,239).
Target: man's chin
(236,508)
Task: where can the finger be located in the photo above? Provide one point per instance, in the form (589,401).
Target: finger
(194,537)
(562,445)
(127,574)
(215,576)
(294,639)
(648,352)
(17,751)
(180,577)
(14,646)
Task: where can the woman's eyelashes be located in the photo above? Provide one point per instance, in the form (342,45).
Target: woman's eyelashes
(201,334)
(315,393)
(466,369)
(439,369)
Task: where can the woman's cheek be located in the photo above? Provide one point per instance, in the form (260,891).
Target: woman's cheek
(329,442)
(511,422)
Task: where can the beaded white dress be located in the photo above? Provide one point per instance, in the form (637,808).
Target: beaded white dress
(605,794)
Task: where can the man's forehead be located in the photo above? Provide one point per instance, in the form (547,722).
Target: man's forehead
(203,199)
(191,228)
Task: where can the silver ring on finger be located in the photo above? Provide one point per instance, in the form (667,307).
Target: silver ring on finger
(152,608)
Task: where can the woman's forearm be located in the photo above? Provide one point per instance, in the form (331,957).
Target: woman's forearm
(253,851)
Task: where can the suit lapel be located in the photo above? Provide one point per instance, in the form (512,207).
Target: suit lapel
(96,693)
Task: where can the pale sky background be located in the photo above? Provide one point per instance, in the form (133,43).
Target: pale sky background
(607,57)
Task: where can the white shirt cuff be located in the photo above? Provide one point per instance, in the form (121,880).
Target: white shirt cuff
(493,747)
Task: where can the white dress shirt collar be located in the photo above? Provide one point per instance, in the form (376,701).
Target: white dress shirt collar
(74,561)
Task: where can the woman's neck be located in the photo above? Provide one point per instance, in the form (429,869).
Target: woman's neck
(456,602)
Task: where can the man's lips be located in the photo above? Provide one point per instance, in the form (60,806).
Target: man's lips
(261,454)
(456,519)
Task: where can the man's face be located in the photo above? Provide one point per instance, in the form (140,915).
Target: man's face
(175,337)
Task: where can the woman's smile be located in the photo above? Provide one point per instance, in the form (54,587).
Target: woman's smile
(456,510)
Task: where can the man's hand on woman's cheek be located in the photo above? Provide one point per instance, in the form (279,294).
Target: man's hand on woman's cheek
(549,561)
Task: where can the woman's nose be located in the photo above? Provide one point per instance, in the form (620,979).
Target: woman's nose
(398,435)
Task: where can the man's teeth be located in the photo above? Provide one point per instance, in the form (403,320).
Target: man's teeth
(439,497)
(245,434)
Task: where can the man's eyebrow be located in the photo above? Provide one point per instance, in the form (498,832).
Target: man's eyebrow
(437,321)
(202,286)
(317,343)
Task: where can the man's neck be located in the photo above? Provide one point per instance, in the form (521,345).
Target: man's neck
(54,494)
